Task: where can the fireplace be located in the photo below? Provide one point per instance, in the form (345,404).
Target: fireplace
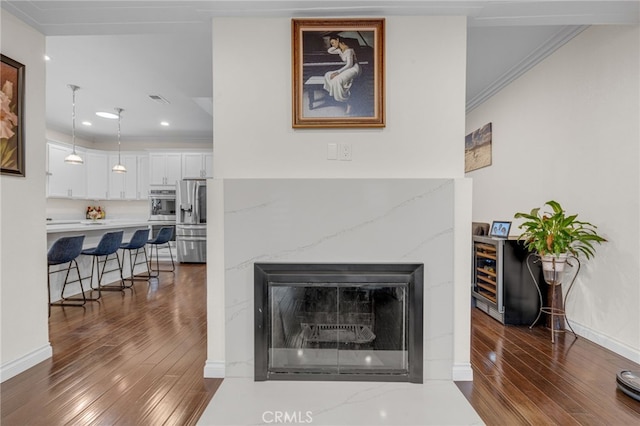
(338,321)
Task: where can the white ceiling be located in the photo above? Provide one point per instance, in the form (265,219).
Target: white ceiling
(120,52)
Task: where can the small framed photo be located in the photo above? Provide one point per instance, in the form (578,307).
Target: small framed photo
(12,117)
(338,73)
(500,229)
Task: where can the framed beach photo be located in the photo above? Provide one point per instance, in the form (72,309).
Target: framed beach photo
(477,148)
(12,117)
(338,73)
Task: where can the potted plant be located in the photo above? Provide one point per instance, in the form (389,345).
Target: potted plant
(554,235)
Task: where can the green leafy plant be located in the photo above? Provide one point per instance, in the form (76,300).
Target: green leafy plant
(555,233)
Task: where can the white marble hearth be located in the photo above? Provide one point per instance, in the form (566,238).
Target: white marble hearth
(245,402)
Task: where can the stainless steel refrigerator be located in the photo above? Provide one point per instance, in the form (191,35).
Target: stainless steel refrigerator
(191,220)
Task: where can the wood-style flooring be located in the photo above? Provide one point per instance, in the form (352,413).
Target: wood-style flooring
(521,378)
(134,358)
(137,358)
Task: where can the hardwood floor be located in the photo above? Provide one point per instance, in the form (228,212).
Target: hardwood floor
(134,358)
(520,378)
(137,358)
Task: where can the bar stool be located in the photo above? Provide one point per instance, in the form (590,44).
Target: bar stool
(163,237)
(107,246)
(65,250)
(137,243)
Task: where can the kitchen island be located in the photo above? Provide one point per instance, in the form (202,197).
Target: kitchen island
(93,231)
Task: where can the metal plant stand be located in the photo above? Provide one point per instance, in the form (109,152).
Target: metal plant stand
(554,276)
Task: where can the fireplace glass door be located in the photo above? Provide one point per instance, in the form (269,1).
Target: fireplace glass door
(338,328)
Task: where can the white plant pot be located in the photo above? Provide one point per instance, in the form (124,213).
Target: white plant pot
(553,267)
(551,262)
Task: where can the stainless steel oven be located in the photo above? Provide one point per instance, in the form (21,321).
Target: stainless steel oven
(162,204)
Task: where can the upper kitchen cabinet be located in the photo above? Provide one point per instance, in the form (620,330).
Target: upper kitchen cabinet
(197,165)
(124,186)
(97,175)
(165,168)
(65,180)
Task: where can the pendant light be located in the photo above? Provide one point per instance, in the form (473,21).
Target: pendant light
(73,158)
(119,168)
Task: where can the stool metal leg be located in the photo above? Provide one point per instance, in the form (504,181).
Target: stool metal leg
(133,261)
(95,264)
(157,270)
(66,301)
(110,287)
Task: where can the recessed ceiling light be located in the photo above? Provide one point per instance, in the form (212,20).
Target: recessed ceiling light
(86,123)
(47,58)
(109,115)
(164,123)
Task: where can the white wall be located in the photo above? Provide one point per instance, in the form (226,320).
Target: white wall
(568,130)
(23,243)
(253,138)
(425,91)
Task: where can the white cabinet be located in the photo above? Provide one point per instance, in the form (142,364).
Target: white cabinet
(143,177)
(208,164)
(165,168)
(197,165)
(97,163)
(65,180)
(123,186)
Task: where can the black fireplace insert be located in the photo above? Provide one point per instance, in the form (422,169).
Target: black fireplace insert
(338,321)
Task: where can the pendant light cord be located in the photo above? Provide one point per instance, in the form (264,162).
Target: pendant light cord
(119,111)
(73,116)
(119,168)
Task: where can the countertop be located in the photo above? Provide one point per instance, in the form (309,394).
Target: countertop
(98,225)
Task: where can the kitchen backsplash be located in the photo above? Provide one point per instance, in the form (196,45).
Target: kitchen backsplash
(59,209)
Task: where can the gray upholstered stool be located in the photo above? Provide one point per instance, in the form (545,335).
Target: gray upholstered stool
(163,237)
(108,247)
(65,250)
(136,245)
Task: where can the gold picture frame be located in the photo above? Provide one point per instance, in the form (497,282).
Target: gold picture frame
(12,124)
(338,73)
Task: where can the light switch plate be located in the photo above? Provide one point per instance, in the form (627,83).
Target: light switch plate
(332,151)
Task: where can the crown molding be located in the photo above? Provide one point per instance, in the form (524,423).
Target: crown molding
(531,60)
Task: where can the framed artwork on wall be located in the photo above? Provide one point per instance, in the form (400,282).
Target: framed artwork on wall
(11,117)
(477,148)
(338,73)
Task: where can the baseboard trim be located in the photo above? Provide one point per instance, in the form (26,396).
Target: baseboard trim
(632,354)
(214,370)
(24,363)
(462,372)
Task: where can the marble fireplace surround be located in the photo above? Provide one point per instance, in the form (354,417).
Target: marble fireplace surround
(339,221)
